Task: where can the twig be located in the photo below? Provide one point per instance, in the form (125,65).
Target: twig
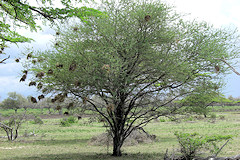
(220,149)
(4,126)
(166,155)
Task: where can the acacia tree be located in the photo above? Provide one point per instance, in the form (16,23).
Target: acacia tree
(137,58)
(16,14)
(201,98)
(14,101)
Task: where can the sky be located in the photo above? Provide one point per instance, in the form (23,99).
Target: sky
(220,13)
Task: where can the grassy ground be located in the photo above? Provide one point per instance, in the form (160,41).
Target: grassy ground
(56,142)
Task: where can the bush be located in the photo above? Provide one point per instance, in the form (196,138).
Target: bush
(192,143)
(213,116)
(72,119)
(162,120)
(64,123)
(37,120)
(222,117)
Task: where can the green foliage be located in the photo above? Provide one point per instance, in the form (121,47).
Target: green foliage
(37,120)
(201,97)
(137,57)
(192,143)
(222,117)
(213,116)
(16,14)
(66,122)
(111,59)
(72,119)
(75,138)
(14,101)
(162,120)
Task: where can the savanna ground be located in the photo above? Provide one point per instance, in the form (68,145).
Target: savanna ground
(53,141)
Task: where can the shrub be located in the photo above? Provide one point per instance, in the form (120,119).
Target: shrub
(64,123)
(222,117)
(213,116)
(192,143)
(162,120)
(37,120)
(72,119)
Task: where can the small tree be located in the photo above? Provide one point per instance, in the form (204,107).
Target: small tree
(137,58)
(201,98)
(14,101)
(12,126)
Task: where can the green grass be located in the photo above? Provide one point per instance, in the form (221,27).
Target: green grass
(225,108)
(35,111)
(56,142)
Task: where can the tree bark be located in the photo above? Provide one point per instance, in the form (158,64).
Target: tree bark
(117,144)
(118,129)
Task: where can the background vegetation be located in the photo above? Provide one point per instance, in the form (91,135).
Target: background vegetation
(52,141)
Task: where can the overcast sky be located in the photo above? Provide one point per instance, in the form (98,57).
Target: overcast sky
(220,13)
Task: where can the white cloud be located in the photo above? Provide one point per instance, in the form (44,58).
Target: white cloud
(216,12)
(12,84)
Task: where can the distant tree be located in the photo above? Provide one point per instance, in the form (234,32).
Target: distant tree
(133,58)
(16,14)
(231,98)
(14,101)
(201,98)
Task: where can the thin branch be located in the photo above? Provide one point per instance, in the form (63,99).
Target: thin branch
(4,126)
(2,61)
(233,69)
(221,148)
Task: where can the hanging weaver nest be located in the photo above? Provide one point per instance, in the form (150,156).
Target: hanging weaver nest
(34,61)
(25,72)
(58,65)
(29,56)
(106,67)
(72,67)
(75,28)
(147,18)
(32,84)
(23,78)
(33,100)
(50,71)
(217,69)
(39,86)
(17,60)
(40,75)
(40,97)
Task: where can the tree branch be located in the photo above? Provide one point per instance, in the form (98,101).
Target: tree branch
(2,61)
(233,69)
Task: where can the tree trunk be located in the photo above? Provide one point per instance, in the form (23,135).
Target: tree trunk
(117,144)
(118,129)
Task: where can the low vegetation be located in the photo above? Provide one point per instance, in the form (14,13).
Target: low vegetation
(50,140)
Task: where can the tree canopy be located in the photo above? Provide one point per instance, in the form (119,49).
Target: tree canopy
(201,98)
(17,14)
(137,58)
(14,101)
